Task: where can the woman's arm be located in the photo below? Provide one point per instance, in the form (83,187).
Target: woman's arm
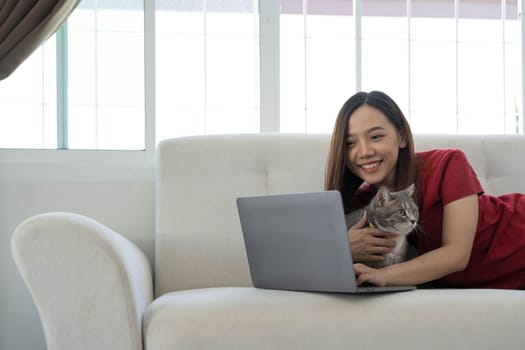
(460,219)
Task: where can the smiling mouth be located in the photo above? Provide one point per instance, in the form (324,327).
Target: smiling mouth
(370,166)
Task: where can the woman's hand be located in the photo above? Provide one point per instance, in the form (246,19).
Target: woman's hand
(366,274)
(368,244)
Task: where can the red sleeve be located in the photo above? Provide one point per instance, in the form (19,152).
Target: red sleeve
(451,175)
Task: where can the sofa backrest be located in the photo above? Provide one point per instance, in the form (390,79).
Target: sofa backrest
(198,239)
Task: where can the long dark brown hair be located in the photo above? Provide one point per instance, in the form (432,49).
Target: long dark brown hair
(338,176)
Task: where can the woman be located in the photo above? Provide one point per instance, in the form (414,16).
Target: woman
(465,238)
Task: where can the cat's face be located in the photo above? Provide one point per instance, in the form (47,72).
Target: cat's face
(394,212)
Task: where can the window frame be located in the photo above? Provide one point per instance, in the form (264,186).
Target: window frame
(103,164)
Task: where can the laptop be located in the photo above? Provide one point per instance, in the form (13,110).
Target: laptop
(299,241)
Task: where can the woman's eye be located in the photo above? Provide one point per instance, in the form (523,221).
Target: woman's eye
(350,144)
(377,137)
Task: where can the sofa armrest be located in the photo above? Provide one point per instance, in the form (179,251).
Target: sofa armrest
(89,283)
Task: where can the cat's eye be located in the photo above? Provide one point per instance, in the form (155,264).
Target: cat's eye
(402,212)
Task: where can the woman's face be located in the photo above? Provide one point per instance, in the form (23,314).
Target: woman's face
(373,145)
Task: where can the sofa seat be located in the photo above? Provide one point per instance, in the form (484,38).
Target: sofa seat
(249,318)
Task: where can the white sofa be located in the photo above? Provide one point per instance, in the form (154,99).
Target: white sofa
(94,289)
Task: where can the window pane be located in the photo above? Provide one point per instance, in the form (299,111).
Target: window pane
(207,64)
(385,56)
(426,8)
(318,7)
(330,69)
(513,83)
(511,9)
(479,9)
(480,76)
(317,65)
(384,8)
(433,74)
(292,72)
(106,73)
(28,102)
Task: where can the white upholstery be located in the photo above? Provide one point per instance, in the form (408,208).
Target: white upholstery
(246,318)
(198,180)
(92,286)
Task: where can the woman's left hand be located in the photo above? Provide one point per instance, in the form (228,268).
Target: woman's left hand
(367,274)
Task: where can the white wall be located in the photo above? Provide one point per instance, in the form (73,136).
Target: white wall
(115,188)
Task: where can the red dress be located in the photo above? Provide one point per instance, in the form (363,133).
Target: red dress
(498,253)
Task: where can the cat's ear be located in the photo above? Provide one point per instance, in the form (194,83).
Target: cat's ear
(383,196)
(410,190)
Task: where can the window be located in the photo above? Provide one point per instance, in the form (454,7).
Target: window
(106,75)
(28,102)
(318,63)
(207,63)
(84,88)
(454,66)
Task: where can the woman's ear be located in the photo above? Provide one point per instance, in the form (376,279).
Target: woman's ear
(402,140)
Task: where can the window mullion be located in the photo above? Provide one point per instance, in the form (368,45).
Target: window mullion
(358,12)
(456,20)
(149,76)
(62,92)
(409,60)
(269,12)
(522,39)
(504,60)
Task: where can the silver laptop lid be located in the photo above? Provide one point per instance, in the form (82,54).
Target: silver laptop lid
(297,241)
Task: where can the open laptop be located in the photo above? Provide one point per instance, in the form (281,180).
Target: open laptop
(298,241)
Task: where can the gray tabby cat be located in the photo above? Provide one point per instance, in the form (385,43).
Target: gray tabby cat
(393,212)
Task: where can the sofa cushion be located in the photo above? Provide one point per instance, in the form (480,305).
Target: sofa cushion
(198,180)
(248,318)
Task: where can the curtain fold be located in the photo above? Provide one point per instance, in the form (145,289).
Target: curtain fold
(25,25)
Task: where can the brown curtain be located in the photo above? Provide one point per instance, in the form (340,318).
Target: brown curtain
(25,25)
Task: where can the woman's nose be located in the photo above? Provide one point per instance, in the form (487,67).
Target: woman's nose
(364,149)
